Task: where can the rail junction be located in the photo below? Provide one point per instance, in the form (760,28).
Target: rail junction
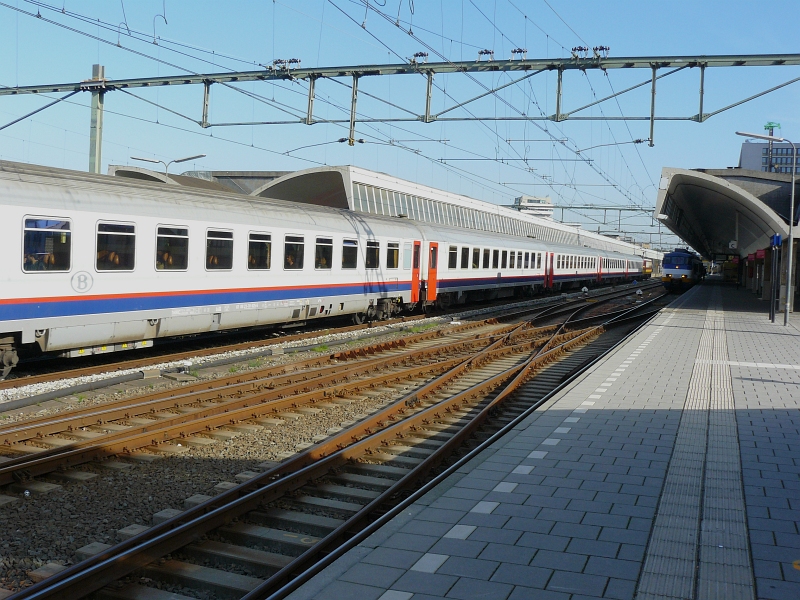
(435,394)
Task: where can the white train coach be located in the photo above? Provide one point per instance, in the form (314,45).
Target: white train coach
(97,264)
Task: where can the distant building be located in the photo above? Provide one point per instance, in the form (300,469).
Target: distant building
(755,157)
(538,206)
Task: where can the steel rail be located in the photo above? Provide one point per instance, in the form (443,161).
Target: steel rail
(261,405)
(387,516)
(564,340)
(141,363)
(303,467)
(213,390)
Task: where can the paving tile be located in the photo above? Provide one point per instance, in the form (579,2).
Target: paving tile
(562,561)
(468,567)
(610,567)
(374,575)
(452,547)
(532,577)
(407,541)
(470,589)
(344,590)
(391,557)
(506,553)
(424,583)
(543,542)
(577,583)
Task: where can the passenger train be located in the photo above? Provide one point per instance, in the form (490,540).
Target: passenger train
(97,264)
(682,269)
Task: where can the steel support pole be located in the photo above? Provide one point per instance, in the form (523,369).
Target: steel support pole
(353,101)
(206,98)
(310,111)
(702,92)
(788,306)
(653,106)
(96,124)
(428,93)
(559,90)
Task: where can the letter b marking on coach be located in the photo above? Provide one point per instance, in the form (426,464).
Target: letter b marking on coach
(82,282)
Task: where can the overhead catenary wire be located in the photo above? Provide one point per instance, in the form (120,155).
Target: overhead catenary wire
(494,183)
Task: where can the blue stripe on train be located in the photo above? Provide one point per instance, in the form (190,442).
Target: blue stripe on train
(90,306)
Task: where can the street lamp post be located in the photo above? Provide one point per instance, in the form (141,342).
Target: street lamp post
(167,164)
(772,138)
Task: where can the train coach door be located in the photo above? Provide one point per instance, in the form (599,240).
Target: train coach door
(415,272)
(433,262)
(548,270)
(599,269)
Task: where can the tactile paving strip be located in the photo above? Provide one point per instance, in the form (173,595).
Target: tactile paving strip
(699,546)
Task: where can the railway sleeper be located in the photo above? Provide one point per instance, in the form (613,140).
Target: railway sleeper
(267,538)
(297,522)
(394,459)
(385,471)
(134,591)
(224,584)
(337,507)
(406,451)
(257,562)
(368,482)
(340,492)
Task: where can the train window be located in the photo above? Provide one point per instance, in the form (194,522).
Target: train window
(513,262)
(452,257)
(323,255)
(434,257)
(219,249)
(293,252)
(116,247)
(47,245)
(538,260)
(527,259)
(476,258)
(486,258)
(407,255)
(416,256)
(393,255)
(349,254)
(558,262)
(504,261)
(465,257)
(373,258)
(172,248)
(259,251)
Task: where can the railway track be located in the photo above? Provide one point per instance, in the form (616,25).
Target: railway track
(441,392)
(21,377)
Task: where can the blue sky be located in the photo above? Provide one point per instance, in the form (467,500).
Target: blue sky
(202,36)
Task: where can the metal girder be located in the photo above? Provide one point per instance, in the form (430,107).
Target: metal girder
(548,64)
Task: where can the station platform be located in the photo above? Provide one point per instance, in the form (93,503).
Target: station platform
(669,470)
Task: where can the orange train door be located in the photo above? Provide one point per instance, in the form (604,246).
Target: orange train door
(432,270)
(548,270)
(415,272)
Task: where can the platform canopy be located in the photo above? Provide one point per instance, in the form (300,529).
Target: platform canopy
(713,215)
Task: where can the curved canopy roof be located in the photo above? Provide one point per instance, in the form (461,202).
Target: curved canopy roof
(713,215)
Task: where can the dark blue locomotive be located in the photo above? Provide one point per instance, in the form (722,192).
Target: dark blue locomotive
(681,269)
